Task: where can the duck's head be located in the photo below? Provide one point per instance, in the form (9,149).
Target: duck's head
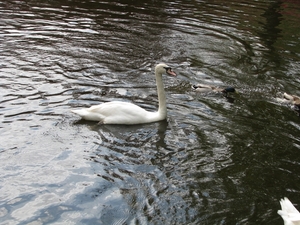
(229,89)
(194,87)
(297,102)
(163,68)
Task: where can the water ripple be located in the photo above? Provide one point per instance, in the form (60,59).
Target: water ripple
(193,168)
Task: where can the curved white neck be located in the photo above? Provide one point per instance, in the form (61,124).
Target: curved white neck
(162,108)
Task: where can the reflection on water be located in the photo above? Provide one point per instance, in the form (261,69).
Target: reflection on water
(215,160)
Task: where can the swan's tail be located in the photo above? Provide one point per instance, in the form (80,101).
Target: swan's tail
(288,212)
(88,114)
(80,112)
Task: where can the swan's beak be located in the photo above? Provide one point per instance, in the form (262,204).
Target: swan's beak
(170,71)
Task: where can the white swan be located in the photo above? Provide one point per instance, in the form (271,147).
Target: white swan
(117,112)
(289,213)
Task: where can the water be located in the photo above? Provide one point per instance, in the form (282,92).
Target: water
(215,160)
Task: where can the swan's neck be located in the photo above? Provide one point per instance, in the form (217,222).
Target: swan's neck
(162,108)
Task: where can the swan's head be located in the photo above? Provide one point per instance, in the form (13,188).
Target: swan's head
(164,69)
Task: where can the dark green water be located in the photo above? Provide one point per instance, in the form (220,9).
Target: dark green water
(215,160)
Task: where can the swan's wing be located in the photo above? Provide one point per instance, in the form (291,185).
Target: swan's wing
(117,112)
(117,108)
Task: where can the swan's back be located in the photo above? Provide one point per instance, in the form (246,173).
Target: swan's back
(117,112)
(289,213)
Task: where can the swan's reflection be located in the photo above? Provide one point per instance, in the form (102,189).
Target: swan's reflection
(137,133)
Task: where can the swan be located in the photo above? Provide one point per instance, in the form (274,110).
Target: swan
(117,112)
(289,213)
(208,88)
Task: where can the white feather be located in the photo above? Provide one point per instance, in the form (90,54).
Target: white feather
(289,213)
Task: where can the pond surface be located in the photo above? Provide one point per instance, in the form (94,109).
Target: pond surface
(215,160)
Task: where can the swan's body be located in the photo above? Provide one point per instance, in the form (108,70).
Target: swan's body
(117,112)
(209,88)
(289,213)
